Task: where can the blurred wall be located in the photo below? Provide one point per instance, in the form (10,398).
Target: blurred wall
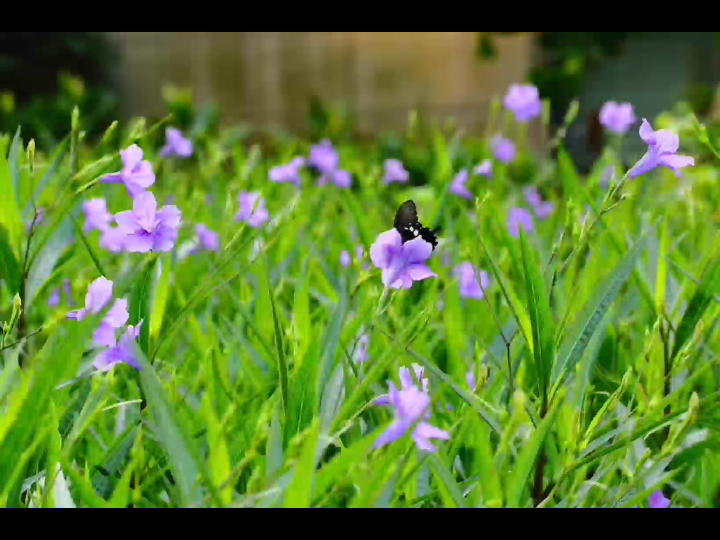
(266,78)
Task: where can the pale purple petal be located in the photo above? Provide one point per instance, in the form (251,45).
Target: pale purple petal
(503,149)
(54,299)
(617,117)
(406,380)
(112,178)
(96,215)
(419,272)
(126,221)
(140,242)
(394,432)
(144,209)
(113,240)
(417,251)
(104,335)
(345,259)
(544,210)
(342,179)
(118,314)
(470,380)
(98,295)
(131,157)
(532,196)
(385,248)
(458,187)
(523,100)
(658,500)
(647,163)
(208,239)
(484,169)
(395,172)
(517,218)
(675,162)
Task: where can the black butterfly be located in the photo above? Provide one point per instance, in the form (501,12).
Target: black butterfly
(407,224)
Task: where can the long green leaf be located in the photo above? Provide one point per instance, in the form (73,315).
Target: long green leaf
(10,217)
(523,466)
(299,492)
(171,433)
(541,318)
(592,313)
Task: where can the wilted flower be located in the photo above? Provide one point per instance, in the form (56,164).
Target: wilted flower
(340,178)
(97,216)
(468,281)
(121,351)
(662,150)
(176,144)
(36,219)
(617,117)
(395,172)
(470,380)
(146,228)
(137,174)
(519,217)
(361,349)
(345,259)
(458,187)
(503,149)
(523,100)
(249,213)
(484,169)
(411,408)
(323,157)
(401,263)
(288,173)
(658,500)
(54,299)
(207,239)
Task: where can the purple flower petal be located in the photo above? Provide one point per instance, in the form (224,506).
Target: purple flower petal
(658,500)
(385,248)
(523,100)
(517,218)
(345,259)
(617,117)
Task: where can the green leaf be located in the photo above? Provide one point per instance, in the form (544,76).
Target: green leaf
(51,170)
(592,313)
(661,279)
(279,346)
(699,302)
(43,265)
(140,303)
(10,271)
(14,162)
(447,483)
(299,492)
(568,175)
(541,317)
(161,291)
(523,466)
(170,432)
(218,458)
(10,218)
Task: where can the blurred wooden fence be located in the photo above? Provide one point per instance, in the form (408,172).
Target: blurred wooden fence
(266,78)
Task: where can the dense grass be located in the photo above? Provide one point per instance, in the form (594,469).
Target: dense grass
(594,349)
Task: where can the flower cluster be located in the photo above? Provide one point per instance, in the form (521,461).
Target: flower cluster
(323,158)
(541,209)
(144,228)
(401,263)
(99,295)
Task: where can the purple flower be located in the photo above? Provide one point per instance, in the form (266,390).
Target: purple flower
(345,259)
(359,252)
(146,228)
(207,238)
(176,144)
(97,216)
(532,196)
(288,173)
(519,217)
(121,351)
(323,157)
(401,263)
(411,408)
(253,216)
(662,148)
(523,101)
(137,174)
(340,178)
(361,350)
(470,380)
(395,172)
(113,239)
(503,149)
(658,500)
(617,117)
(544,210)
(99,294)
(467,279)
(458,187)
(484,169)
(54,299)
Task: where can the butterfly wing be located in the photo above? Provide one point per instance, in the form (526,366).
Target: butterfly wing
(406,215)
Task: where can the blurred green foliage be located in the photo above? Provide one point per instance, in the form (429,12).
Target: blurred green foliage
(44,75)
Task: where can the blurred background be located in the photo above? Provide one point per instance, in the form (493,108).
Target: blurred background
(364,83)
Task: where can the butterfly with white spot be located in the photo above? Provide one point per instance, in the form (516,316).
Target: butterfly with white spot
(407,224)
